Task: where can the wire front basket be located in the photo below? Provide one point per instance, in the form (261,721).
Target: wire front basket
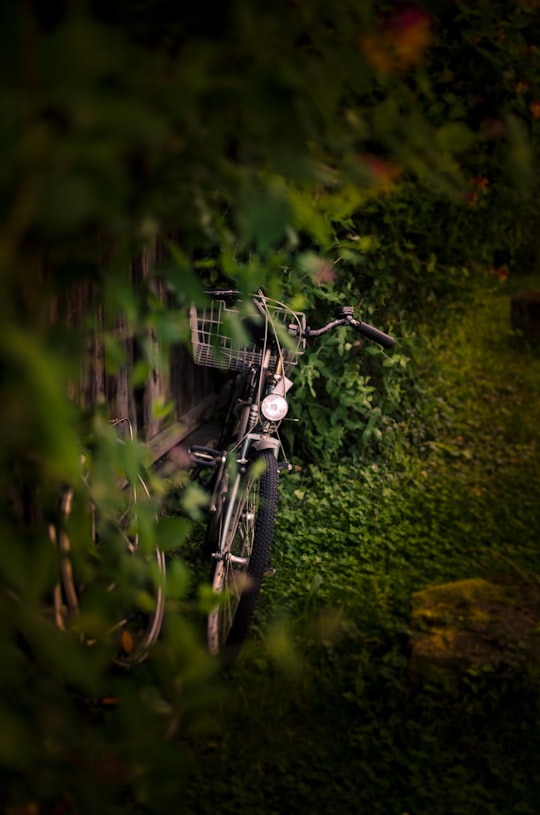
(223,337)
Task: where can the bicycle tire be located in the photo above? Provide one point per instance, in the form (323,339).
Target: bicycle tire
(249,538)
(136,630)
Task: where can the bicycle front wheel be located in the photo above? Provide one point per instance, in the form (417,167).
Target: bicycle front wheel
(243,556)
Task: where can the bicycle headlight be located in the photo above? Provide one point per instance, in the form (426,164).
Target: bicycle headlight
(274,407)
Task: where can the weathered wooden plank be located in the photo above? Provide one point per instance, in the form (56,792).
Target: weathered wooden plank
(169,437)
(118,388)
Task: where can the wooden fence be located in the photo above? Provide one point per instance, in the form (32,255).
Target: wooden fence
(192,389)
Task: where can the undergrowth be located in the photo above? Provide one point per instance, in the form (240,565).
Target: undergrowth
(322,713)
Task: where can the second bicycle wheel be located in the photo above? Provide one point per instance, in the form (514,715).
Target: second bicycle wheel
(109,575)
(243,556)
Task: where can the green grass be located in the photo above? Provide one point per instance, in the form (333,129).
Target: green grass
(321,713)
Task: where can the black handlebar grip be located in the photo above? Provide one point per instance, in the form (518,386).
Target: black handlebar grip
(374,334)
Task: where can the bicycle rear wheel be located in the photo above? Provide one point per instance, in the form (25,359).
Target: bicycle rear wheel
(243,556)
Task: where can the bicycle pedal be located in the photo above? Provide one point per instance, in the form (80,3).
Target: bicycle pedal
(205,456)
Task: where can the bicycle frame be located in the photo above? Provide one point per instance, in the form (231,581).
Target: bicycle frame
(248,438)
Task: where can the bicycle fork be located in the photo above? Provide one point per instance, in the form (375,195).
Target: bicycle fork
(258,442)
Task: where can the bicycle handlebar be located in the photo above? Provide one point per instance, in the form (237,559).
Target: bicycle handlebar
(374,334)
(366,329)
(344,316)
(223,294)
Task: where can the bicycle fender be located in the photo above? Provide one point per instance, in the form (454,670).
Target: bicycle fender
(266,444)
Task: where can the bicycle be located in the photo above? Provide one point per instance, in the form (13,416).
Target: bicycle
(90,589)
(260,342)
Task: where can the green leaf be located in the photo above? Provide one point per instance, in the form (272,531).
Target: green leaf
(38,397)
(264,216)
(520,159)
(162,408)
(139,373)
(194,498)
(454,137)
(307,217)
(178,580)
(180,276)
(171,533)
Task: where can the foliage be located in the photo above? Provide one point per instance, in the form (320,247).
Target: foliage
(324,704)
(405,254)
(259,145)
(471,448)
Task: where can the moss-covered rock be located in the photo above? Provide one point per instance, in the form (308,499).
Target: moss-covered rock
(474,625)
